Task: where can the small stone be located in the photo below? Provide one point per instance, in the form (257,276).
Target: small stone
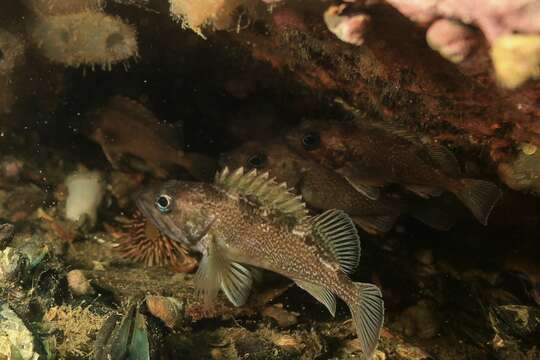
(528,148)
(283,317)
(167,309)
(79,284)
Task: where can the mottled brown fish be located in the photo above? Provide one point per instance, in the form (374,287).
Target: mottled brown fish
(246,220)
(324,189)
(125,128)
(376,154)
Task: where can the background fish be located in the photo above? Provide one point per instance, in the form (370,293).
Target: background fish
(247,220)
(125,128)
(323,188)
(376,154)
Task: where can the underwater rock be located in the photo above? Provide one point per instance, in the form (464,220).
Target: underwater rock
(350,27)
(79,284)
(85,193)
(453,40)
(516,59)
(73,329)
(16,341)
(167,309)
(87,38)
(63,7)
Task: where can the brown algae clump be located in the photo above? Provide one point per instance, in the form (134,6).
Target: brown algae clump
(73,328)
(63,7)
(87,38)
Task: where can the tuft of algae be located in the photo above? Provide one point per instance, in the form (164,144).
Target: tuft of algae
(516,59)
(86,38)
(72,328)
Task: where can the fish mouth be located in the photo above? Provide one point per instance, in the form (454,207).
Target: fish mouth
(144,200)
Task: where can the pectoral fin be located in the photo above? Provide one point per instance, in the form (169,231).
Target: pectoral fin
(216,271)
(322,294)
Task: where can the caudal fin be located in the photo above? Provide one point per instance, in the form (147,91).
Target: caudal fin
(477,195)
(368,316)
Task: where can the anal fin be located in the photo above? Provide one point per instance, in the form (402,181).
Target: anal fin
(322,294)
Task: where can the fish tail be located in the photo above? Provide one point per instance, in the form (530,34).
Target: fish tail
(478,195)
(367,309)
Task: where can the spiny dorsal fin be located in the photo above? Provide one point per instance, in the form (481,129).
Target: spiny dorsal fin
(264,189)
(337,233)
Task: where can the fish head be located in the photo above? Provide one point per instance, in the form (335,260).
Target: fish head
(318,140)
(179,209)
(274,157)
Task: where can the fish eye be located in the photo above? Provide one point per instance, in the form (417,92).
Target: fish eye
(163,203)
(257,161)
(311,141)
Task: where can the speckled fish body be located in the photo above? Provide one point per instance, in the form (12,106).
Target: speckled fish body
(247,220)
(377,154)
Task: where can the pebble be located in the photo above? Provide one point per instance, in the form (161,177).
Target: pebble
(283,317)
(79,284)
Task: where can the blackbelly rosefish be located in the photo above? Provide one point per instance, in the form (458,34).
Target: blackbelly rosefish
(247,220)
